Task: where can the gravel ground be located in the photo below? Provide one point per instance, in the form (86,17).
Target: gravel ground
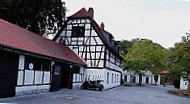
(119,95)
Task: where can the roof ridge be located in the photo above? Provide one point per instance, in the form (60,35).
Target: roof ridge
(81,13)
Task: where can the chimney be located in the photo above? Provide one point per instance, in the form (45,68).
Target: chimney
(102,26)
(91,12)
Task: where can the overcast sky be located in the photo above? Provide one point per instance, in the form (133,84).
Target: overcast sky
(163,21)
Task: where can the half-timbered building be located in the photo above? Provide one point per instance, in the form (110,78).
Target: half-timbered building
(29,61)
(94,45)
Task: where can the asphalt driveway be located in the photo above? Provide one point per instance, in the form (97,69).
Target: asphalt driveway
(119,95)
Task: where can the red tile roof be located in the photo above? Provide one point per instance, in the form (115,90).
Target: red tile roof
(81,13)
(165,72)
(18,38)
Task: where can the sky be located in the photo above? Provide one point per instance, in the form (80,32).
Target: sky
(163,21)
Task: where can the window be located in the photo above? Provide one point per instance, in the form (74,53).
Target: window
(37,64)
(107,78)
(78,31)
(109,55)
(133,79)
(36,71)
(115,78)
(112,78)
(125,78)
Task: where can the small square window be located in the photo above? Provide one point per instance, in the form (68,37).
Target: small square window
(78,31)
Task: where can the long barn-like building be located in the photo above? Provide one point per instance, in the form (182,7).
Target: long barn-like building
(94,45)
(31,62)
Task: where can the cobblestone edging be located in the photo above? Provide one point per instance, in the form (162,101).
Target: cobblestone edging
(31,92)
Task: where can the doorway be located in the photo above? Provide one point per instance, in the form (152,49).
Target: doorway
(8,73)
(56,77)
(147,80)
(62,77)
(133,79)
(66,76)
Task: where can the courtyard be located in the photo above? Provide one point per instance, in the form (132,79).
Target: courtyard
(119,95)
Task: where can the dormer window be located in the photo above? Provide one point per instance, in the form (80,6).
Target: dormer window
(113,43)
(116,47)
(78,31)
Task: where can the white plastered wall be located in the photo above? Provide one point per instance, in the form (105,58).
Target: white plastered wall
(101,74)
(113,82)
(93,74)
(183,84)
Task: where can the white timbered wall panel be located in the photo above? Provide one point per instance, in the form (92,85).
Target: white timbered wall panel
(63,33)
(29,76)
(90,47)
(46,77)
(98,40)
(113,66)
(38,77)
(68,33)
(69,27)
(112,61)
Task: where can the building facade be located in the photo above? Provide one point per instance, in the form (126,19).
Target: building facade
(94,45)
(30,62)
(147,78)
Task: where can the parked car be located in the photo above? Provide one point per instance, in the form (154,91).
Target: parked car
(92,85)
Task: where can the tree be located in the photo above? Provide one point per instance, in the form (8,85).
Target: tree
(124,45)
(146,55)
(179,59)
(43,17)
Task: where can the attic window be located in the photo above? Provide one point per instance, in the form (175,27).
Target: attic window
(78,31)
(113,43)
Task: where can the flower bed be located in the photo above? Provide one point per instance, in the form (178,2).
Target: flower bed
(180,92)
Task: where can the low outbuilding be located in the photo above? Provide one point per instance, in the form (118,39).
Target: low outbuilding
(29,61)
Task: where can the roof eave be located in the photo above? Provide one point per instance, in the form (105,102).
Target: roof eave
(25,52)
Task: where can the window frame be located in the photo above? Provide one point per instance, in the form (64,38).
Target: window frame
(75,32)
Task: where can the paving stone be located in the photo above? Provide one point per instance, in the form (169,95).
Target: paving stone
(119,95)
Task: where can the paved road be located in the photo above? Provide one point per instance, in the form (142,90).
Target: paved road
(119,95)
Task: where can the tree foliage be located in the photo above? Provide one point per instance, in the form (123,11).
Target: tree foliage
(146,55)
(124,45)
(179,59)
(43,17)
